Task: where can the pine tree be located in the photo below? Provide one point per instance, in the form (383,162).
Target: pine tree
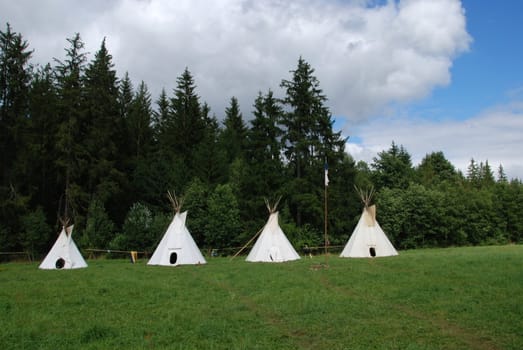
(140,142)
(264,136)
(264,174)
(486,175)
(15,74)
(153,174)
(309,141)
(102,121)
(233,135)
(502,177)
(43,126)
(161,115)
(473,175)
(71,156)
(183,131)
(125,96)
(435,168)
(187,127)
(393,168)
(125,99)
(263,144)
(210,164)
(139,121)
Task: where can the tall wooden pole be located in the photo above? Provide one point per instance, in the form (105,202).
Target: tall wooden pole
(325,228)
(326,240)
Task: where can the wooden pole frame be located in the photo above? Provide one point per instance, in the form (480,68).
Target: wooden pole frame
(246,244)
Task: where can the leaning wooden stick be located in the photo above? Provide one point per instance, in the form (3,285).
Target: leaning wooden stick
(246,244)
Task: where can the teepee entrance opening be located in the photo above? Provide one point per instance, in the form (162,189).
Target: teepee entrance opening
(372,251)
(60,263)
(274,253)
(173,258)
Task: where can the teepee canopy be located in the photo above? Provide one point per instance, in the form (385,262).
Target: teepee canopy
(64,254)
(177,246)
(272,245)
(368,239)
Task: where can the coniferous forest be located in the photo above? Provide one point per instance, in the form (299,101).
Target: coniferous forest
(76,140)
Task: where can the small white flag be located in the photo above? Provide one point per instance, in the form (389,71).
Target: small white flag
(326,174)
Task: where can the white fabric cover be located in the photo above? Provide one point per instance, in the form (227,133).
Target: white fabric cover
(64,248)
(368,234)
(272,245)
(177,240)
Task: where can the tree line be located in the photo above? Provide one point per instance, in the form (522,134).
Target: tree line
(78,141)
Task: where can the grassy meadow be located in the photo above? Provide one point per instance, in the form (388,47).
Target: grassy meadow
(456,298)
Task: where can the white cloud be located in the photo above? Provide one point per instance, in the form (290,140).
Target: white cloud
(493,136)
(365,56)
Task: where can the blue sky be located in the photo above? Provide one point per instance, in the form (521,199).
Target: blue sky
(486,85)
(488,74)
(431,75)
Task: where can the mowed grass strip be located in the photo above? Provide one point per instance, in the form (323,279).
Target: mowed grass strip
(458,298)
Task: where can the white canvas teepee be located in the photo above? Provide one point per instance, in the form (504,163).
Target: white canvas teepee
(368,239)
(177,246)
(272,245)
(64,254)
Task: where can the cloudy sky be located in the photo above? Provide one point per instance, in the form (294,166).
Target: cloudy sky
(431,75)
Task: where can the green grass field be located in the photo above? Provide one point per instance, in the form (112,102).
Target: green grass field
(458,298)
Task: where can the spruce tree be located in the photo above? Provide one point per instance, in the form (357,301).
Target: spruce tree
(502,177)
(43,127)
(160,115)
(309,141)
(234,132)
(183,131)
(435,169)
(473,174)
(101,122)
(486,175)
(140,143)
(125,99)
(264,175)
(210,160)
(72,155)
(393,168)
(139,121)
(15,74)
(187,126)
(125,96)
